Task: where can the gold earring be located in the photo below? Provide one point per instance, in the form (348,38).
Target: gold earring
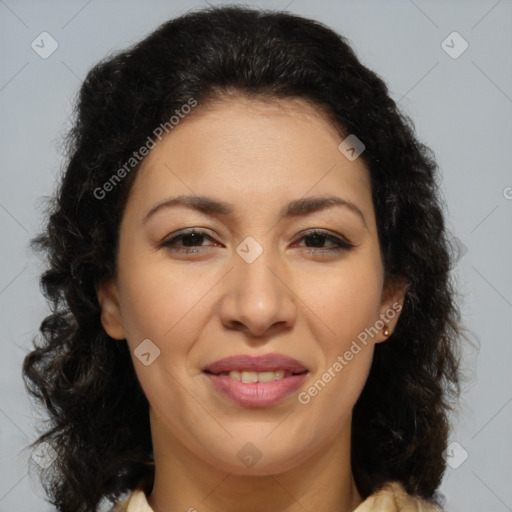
(387,331)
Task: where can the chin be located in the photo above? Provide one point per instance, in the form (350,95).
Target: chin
(257,458)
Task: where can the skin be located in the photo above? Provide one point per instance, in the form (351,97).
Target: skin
(204,306)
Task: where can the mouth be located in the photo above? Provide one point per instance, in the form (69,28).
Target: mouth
(256,381)
(248,376)
(265,363)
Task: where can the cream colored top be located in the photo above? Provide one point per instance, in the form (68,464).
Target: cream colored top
(391,498)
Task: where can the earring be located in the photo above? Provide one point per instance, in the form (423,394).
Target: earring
(387,331)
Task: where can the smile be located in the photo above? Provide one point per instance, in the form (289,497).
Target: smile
(256,380)
(247,376)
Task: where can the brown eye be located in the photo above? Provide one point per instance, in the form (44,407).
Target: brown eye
(191,241)
(317,238)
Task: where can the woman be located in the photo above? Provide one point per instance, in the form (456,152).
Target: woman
(249,275)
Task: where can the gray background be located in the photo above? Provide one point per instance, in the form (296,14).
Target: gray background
(461,108)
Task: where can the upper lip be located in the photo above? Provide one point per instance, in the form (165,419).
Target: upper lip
(263,363)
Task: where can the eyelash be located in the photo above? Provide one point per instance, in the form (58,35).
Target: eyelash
(340,244)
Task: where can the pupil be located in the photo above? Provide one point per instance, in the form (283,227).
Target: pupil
(317,239)
(190,237)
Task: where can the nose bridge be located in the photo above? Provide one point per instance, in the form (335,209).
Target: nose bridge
(254,280)
(252,265)
(256,295)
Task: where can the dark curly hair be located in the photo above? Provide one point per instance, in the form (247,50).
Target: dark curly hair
(99,424)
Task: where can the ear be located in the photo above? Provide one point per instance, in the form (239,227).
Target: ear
(111,319)
(392,303)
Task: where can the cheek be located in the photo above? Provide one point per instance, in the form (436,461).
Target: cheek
(346,301)
(169,307)
(161,302)
(334,392)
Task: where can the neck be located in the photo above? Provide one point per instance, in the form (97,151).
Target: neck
(185,482)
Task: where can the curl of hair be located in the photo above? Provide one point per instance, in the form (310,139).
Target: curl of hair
(86,380)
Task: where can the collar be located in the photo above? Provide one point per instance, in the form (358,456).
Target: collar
(392,497)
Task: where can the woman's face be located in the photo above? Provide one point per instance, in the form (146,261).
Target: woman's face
(256,281)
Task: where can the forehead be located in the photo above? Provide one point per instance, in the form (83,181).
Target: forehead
(246,148)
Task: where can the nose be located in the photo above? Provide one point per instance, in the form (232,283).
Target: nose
(259,297)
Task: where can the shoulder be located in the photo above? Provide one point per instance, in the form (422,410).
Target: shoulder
(393,498)
(135,502)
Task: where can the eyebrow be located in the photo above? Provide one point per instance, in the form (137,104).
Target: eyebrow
(296,208)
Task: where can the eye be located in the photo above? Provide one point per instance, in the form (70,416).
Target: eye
(317,237)
(191,240)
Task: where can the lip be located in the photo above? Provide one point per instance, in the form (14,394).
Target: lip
(263,363)
(256,394)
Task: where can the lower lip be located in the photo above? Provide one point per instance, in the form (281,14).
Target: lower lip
(256,394)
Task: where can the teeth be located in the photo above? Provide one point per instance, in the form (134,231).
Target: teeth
(248,377)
